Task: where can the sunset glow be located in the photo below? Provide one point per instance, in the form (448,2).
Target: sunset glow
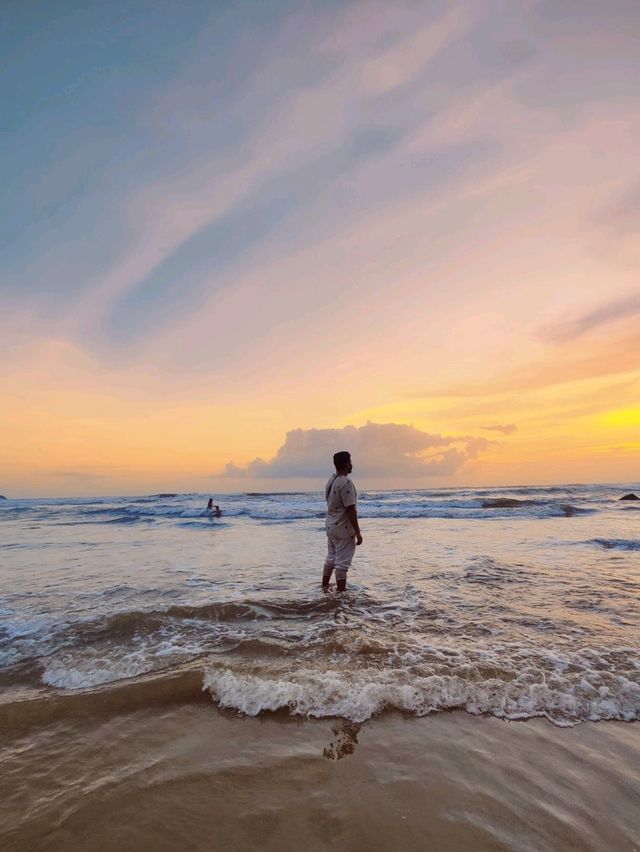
(225,223)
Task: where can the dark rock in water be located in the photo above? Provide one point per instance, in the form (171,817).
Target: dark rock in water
(505,503)
(2,497)
(630,497)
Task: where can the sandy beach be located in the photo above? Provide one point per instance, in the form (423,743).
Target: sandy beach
(194,777)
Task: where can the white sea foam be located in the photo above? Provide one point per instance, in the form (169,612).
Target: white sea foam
(85,669)
(359,695)
(68,672)
(22,638)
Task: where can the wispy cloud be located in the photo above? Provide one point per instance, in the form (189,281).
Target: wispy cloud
(507,429)
(378,450)
(297,126)
(612,358)
(612,311)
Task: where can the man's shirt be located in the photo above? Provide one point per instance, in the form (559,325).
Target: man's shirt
(340,493)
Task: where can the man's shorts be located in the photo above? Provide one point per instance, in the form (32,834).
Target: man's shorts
(339,555)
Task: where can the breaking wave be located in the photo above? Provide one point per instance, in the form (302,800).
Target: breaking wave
(357,696)
(563,696)
(188,511)
(183,628)
(329,656)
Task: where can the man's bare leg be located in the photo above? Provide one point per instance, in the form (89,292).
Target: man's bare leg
(341,580)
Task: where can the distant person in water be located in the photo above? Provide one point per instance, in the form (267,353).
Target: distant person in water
(343,529)
(212,510)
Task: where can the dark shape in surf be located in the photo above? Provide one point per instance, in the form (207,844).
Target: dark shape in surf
(630,497)
(505,503)
(617,543)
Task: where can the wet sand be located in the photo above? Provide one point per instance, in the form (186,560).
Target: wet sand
(193,777)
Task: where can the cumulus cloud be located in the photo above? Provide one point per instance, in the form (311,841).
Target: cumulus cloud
(507,429)
(377,449)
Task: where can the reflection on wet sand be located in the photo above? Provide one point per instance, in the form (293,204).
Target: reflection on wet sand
(346,740)
(192,777)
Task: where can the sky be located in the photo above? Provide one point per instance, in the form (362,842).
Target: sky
(239,236)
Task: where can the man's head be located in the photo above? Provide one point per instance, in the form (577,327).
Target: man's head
(342,462)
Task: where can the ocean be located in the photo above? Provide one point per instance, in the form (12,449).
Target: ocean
(508,603)
(455,600)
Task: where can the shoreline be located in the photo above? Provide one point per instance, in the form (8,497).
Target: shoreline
(193,776)
(27,708)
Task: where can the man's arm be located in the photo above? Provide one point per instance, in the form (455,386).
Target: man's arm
(352,514)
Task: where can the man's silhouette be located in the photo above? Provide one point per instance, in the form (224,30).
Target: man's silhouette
(343,529)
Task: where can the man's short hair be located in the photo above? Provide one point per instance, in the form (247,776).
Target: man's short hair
(341,459)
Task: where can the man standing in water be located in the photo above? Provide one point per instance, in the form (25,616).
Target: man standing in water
(343,529)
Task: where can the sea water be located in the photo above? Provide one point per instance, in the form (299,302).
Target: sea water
(512,602)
